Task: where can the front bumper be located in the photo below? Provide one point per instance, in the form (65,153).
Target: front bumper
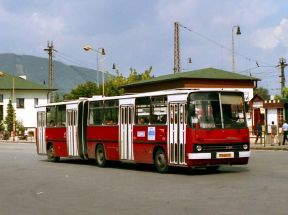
(219,155)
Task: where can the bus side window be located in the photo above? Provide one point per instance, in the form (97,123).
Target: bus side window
(61,115)
(51,123)
(96,112)
(142,107)
(163,119)
(110,112)
(51,116)
(158,110)
(153,119)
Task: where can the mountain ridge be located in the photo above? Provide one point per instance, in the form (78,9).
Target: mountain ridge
(66,77)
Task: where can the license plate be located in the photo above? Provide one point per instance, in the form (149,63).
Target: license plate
(225,155)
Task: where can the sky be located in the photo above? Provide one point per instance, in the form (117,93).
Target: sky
(139,34)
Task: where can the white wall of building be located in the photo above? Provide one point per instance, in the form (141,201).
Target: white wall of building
(27,114)
(271,116)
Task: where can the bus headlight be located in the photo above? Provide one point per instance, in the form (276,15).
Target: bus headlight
(245,146)
(198,148)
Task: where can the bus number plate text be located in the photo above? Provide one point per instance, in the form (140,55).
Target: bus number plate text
(225,155)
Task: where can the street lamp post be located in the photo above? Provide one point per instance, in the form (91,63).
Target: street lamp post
(238,32)
(13,98)
(100,51)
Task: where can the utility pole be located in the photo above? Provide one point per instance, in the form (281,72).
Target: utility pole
(50,50)
(238,32)
(176,48)
(282,64)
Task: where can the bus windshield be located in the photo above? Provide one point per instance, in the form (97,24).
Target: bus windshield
(216,110)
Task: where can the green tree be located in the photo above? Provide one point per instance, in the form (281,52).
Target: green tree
(57,97)
(2,127)
(285,93)
(278,97)
(87,89)
(116,85)
(9,117)
(262,92)
(146,74)
(113,86)
(134,76)
(20,127)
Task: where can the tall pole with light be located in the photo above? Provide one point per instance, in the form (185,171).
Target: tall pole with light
(238,32)
(100,51)
(176,48)
(49,50)
(13,98)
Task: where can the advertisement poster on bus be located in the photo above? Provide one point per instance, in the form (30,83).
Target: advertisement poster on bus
(151,133)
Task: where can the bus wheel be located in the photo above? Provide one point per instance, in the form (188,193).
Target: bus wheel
(100,156)
(51,154)
(160,161)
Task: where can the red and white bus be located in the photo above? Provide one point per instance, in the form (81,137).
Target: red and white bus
(186,128)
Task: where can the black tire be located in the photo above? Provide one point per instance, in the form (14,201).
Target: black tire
(51,154)
(212,168)
(160,161)
(100,156)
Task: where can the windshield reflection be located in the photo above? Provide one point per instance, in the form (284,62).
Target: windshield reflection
(216,110)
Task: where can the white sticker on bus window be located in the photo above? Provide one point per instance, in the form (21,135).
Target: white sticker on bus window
(151,133)
(140,133)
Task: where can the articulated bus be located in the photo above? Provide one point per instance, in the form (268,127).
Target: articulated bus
(185,128)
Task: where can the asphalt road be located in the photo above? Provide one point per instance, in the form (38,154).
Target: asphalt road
(29,184)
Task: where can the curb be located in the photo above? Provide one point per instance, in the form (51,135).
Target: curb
(269,147)
(17,142)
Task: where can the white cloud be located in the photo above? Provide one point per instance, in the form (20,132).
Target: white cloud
(46,25)
(171,11)
(248,13)
(270,38)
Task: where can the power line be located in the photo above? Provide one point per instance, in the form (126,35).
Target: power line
(224,47)
(66,58)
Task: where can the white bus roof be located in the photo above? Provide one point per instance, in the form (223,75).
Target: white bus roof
(155,93)
(136,95)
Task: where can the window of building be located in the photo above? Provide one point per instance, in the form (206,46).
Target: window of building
(280,117)
(35,102)
(1,97)
(19,102)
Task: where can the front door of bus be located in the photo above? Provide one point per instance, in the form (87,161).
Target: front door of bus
(41,134)
(126,120)
(176,133)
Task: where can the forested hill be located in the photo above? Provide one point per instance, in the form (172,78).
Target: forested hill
(66,77)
